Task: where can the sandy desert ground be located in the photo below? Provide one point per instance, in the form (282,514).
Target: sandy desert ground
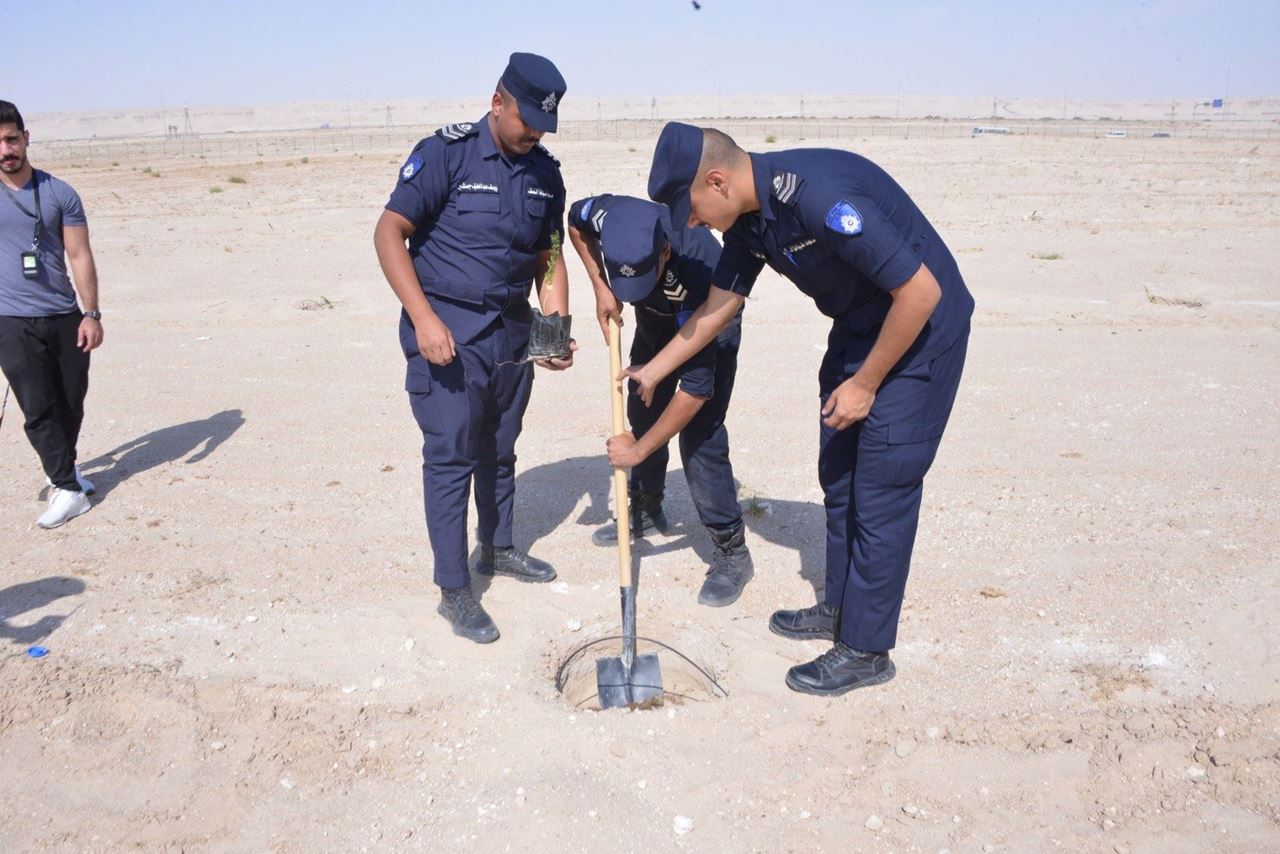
(244,650)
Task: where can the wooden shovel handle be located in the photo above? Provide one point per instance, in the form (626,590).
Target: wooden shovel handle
(623,507)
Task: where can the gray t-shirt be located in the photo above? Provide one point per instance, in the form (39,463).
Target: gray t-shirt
(51,292)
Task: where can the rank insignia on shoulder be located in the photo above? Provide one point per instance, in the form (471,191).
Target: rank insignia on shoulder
(585,213)
(785,187)
(843,218)
(453,133)
(411,167)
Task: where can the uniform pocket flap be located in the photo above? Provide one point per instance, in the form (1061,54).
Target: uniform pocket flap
(487,202)
(465,292)
(417,377)
(919,431)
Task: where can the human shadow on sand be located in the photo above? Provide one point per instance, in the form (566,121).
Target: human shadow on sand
(32,596)
(547,495)
(198,439)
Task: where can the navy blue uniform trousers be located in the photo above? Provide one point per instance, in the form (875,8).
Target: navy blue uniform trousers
(470,412)
(704,442)
(872,476)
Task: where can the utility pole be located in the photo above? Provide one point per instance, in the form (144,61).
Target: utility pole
(1065,81)
(898,114)
(1225,89)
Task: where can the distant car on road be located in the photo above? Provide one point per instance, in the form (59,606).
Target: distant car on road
(983,130)
(1117,134)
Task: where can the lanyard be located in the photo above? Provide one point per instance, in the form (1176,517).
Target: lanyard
(35,188)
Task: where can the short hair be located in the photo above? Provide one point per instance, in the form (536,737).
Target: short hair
(719,151)
(9,115)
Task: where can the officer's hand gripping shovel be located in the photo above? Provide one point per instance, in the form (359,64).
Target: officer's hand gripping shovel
(629,679)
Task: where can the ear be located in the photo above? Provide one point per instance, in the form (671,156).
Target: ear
(666,252)
(496,104)
(716,180)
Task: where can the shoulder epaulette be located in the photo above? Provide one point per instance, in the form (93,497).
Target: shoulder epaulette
(547,152)
(785,187)
(453,133)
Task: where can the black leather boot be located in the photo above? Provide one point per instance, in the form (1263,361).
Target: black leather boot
(815,623)
(839,670)
(515,563)
(646,518)
(731,568)
(469,620)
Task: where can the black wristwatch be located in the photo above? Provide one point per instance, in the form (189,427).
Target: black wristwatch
(94,314)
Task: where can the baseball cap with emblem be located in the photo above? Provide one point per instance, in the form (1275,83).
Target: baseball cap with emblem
(675,165)
(537,85)
(632,236)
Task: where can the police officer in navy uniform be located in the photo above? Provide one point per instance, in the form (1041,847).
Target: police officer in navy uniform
(633,254)
(479,205)
(849,237)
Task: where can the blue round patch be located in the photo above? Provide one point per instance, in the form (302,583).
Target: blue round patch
(411,167)
(843,218)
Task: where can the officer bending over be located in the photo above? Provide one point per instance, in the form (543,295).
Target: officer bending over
(479,204)
(850,238)
(665,273)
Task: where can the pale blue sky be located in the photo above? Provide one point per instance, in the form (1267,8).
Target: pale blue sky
(68,55)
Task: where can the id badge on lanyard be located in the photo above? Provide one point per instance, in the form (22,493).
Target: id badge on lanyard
(31,268)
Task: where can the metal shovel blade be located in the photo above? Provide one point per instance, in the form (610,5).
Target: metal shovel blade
(639,685)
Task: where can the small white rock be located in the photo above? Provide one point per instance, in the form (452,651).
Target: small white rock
(1195,772)
(348,689)
(641,784)
(874,823)
(408,644)
(804,814)
(217,745)
(252,618)
(560,587)
(1040,613)
(1220,732)
(573,624)
(911,809)
(287,783)
(379,682)
(681,824)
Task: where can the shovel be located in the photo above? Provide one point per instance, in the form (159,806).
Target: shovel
(629,679)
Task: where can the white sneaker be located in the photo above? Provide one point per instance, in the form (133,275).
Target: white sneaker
(86,485)
(64,505)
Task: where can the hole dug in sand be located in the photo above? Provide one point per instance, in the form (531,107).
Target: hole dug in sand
(693,666)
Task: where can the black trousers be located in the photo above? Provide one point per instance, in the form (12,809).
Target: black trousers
(49,375)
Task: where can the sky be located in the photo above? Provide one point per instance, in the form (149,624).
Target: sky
(73,55)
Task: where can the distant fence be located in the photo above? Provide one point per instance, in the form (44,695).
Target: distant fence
(318,142)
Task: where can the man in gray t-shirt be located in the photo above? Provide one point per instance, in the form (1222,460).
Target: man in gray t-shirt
(45,338)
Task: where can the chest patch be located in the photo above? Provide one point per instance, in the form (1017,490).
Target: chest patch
(475,187)
(843,218)
(538,193)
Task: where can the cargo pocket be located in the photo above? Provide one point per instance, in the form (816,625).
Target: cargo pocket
(417,375)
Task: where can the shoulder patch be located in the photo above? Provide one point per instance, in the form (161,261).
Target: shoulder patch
(785,187)
(585,212)
(843,218)
(411,166)
(547,152)
(453,133)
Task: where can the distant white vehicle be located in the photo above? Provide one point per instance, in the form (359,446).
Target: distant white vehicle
(983,130)
(1117,134)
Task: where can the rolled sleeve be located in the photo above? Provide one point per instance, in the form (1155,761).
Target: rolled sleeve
(698,375)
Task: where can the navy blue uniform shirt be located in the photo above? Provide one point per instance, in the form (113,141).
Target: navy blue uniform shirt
(684,286)
(846,234)
(481,219)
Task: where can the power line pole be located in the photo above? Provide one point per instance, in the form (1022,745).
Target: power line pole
(1065,81)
